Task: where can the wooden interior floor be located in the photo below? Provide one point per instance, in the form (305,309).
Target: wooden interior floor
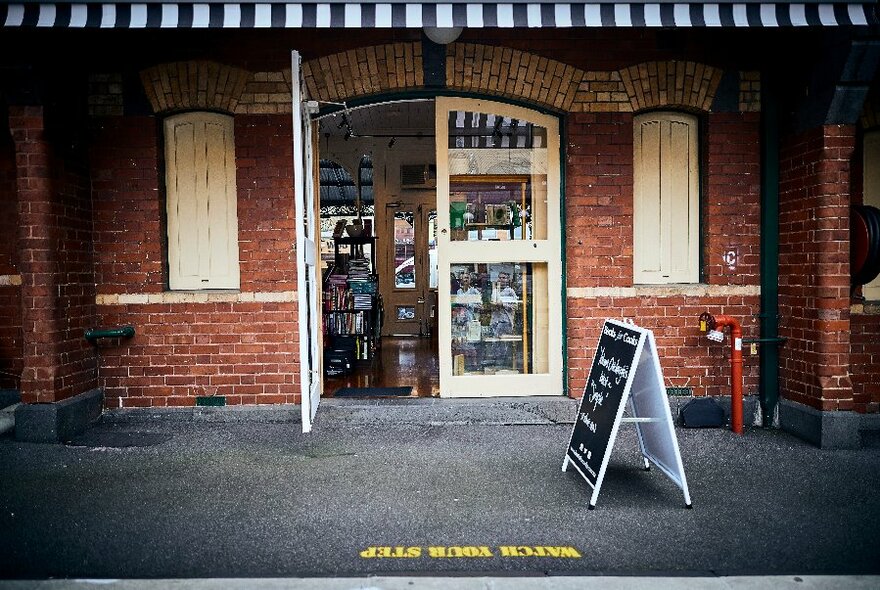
(401,362)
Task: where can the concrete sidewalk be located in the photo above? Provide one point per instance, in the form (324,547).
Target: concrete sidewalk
(460,583)
(210,495)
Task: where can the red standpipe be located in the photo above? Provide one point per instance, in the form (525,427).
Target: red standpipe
(736,370)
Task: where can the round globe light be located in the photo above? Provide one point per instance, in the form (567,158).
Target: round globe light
(443,35)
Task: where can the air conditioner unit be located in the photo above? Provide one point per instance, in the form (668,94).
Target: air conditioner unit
(418,176)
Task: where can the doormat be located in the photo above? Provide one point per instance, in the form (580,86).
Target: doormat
(372,391)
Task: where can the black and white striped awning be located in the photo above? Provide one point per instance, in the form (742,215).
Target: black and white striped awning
(337,14)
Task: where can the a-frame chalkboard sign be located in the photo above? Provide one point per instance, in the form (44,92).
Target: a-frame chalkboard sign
(625,370)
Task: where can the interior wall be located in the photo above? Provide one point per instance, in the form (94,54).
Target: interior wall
(386,180)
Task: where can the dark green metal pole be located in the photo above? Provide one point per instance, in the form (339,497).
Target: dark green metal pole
(121,332)
(769,359)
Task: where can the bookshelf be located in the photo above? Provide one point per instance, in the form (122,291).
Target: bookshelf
(352,317)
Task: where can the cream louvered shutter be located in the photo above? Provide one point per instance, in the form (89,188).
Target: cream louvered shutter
(666,242)
(201,202)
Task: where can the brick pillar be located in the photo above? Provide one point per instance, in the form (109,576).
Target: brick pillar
(10,285)
(36,254)
(814,282)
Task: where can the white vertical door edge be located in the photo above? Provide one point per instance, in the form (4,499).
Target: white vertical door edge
(306,280)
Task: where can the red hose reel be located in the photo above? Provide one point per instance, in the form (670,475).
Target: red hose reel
(864,260)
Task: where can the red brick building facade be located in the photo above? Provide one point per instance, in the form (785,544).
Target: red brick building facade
(82,179)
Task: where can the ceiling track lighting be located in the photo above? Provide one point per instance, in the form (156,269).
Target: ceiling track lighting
(496,132)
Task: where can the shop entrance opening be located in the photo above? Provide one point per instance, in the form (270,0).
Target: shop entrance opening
(378,250)
(440,249)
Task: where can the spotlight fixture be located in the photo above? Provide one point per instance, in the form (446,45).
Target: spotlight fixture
(443,35)
(391,143)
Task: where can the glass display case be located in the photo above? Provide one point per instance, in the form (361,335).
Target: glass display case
(490,208)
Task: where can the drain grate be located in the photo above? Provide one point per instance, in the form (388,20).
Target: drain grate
(679,391)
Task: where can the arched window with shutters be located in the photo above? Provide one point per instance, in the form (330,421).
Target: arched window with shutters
(666,199)
(201,199)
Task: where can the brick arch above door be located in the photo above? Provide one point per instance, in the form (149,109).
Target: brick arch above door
(194,85)
(479,69)
(379,69)
(511,73)
(683,84)
(520,75)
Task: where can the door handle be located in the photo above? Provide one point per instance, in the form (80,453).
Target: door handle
(420,300)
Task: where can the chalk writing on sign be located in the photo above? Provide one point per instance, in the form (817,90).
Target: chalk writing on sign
(603,394)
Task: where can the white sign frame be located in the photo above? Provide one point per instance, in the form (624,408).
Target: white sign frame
(645,394)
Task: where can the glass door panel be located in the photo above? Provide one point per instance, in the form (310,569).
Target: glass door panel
(432,249)
(498,315)
(404,250)
(500,250)
(490,208)
(433,273)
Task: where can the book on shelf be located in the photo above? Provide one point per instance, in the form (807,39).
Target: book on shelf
(352,307)
(342,324)
(362,301)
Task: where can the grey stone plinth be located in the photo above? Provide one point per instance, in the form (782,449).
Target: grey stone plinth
(827,430)
(59,421)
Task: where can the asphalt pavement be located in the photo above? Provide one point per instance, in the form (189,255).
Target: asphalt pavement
(415,494)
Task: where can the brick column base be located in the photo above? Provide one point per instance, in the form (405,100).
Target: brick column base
(814,301)
(36,254)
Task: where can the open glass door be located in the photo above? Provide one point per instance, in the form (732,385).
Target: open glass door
(499,244)
(308,284)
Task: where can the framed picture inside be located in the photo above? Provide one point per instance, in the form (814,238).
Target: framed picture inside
(498,214)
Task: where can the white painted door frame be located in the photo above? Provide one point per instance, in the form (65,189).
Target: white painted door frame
(545,251)
(307,276)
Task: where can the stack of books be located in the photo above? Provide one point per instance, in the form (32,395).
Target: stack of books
(360,281)
(358,267)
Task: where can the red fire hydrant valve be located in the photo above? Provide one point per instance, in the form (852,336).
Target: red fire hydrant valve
(714,326)
(707,322)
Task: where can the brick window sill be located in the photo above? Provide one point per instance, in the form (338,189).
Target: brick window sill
(866,308)
(688,290)
(168,297)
